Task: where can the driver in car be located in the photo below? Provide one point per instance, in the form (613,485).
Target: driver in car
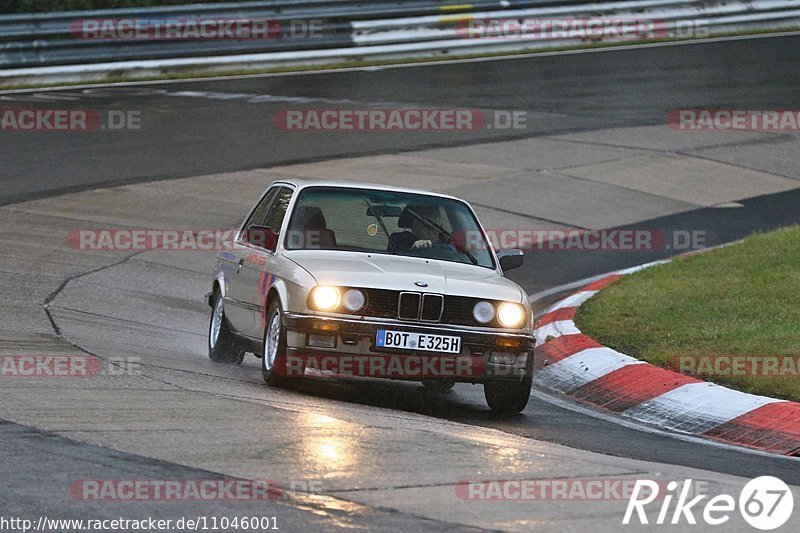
(421,234)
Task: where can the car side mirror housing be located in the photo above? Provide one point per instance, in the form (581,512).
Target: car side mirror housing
(510,259)
(262,236)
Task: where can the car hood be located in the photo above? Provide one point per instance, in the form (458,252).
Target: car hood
(382,271)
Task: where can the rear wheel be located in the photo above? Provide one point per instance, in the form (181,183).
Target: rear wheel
(504,396)
(223,346)
(273,363)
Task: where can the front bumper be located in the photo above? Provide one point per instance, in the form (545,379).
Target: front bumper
(485,353)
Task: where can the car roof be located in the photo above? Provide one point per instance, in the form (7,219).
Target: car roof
(302,183)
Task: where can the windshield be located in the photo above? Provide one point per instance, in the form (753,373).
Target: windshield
(364,220)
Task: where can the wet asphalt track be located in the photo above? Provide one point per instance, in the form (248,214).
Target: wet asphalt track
(217,126)
(210,131)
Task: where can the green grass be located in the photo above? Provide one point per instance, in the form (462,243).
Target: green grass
(742,299)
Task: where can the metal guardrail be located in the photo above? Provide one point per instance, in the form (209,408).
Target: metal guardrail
(357,28)
(669,15)
(46,39)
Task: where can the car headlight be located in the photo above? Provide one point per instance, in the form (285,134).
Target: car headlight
(483,312)
(354,300)
(511,315)
(325,298)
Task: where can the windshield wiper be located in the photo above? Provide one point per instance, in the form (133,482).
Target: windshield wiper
(449,236)
(370,206)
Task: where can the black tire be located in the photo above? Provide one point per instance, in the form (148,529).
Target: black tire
(274,370)
(438,385)
(227,348)
(505,396)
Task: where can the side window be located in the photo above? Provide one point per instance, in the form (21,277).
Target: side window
(261,209)
(277,212)
(259,212)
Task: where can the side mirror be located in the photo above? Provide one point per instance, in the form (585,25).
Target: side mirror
(262,236)
(510,259)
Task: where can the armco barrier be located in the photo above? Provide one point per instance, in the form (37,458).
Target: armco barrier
(346,30)
(47,39)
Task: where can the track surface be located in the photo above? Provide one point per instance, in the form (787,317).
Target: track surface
(42,456)
(215,130)
(211,131)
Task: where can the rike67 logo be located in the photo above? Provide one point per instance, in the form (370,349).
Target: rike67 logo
(765,503)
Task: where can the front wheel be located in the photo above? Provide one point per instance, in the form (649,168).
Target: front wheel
(223,346)
(273,363)
(504,396)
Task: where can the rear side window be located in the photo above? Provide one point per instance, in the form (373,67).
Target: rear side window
(277,212)
(260,212)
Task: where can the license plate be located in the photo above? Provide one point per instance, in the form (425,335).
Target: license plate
(405,340)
